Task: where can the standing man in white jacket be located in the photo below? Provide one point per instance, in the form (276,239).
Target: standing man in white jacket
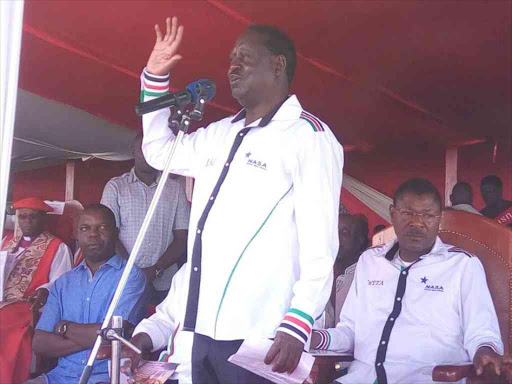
(263,229)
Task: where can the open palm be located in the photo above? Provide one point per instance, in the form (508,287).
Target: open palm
(164,57)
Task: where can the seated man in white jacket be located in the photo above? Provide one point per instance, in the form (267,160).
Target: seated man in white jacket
(415,303)
(165,329)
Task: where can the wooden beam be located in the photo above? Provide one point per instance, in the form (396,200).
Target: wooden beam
(451,173)
(70,180)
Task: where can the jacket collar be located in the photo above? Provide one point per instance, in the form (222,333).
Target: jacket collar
(289,109)
(390,250)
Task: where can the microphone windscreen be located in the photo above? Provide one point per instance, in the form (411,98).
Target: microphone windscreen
(202,88)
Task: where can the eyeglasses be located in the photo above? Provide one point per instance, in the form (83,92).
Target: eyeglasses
(427,218)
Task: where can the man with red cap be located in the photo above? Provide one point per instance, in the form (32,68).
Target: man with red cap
(30,262)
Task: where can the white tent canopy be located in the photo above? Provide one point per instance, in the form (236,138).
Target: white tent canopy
(48,132)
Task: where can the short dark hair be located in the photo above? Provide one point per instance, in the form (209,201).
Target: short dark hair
(418,186)
(463,188)
(104,209)
(278,43)
(492,179)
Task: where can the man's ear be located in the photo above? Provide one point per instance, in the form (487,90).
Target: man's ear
(392,212)
(279,65)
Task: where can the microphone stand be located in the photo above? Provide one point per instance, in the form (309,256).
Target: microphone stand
(184,119)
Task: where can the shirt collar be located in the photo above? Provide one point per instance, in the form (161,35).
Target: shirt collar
(132,178)
(390,250)
(289,109)
(115,261)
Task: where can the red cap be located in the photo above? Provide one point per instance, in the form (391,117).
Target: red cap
(33,203)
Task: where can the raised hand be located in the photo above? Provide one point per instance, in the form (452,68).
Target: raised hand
(164,57)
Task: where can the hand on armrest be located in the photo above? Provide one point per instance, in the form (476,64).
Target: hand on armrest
(486,362)
(487,356)
(452,373)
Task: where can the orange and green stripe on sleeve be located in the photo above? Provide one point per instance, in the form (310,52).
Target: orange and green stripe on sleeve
(153,85)
(297,324)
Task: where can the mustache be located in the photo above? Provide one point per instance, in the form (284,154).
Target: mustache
(94,243)
(414,232)
(234,71)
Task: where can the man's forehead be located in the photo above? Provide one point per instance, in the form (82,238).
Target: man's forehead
(251,39)
(93,215)
(425,200)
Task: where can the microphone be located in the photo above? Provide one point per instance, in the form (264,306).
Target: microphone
(200,89)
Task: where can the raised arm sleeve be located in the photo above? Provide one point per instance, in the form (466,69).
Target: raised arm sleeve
(159,139)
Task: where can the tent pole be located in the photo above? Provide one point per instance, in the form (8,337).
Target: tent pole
(11,17)
(70,180)
(451,173)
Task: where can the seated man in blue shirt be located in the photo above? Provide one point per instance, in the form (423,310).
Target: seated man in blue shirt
(79,300)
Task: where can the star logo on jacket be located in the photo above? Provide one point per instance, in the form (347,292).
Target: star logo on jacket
(424,280)
(255,163)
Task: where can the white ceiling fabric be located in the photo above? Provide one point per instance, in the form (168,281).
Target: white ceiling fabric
(48,132)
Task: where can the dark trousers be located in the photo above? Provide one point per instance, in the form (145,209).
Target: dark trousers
(210,363)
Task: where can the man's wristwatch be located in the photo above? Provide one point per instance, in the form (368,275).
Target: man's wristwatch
(61,331)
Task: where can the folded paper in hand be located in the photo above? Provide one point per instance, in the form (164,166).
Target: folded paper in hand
(252,353)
